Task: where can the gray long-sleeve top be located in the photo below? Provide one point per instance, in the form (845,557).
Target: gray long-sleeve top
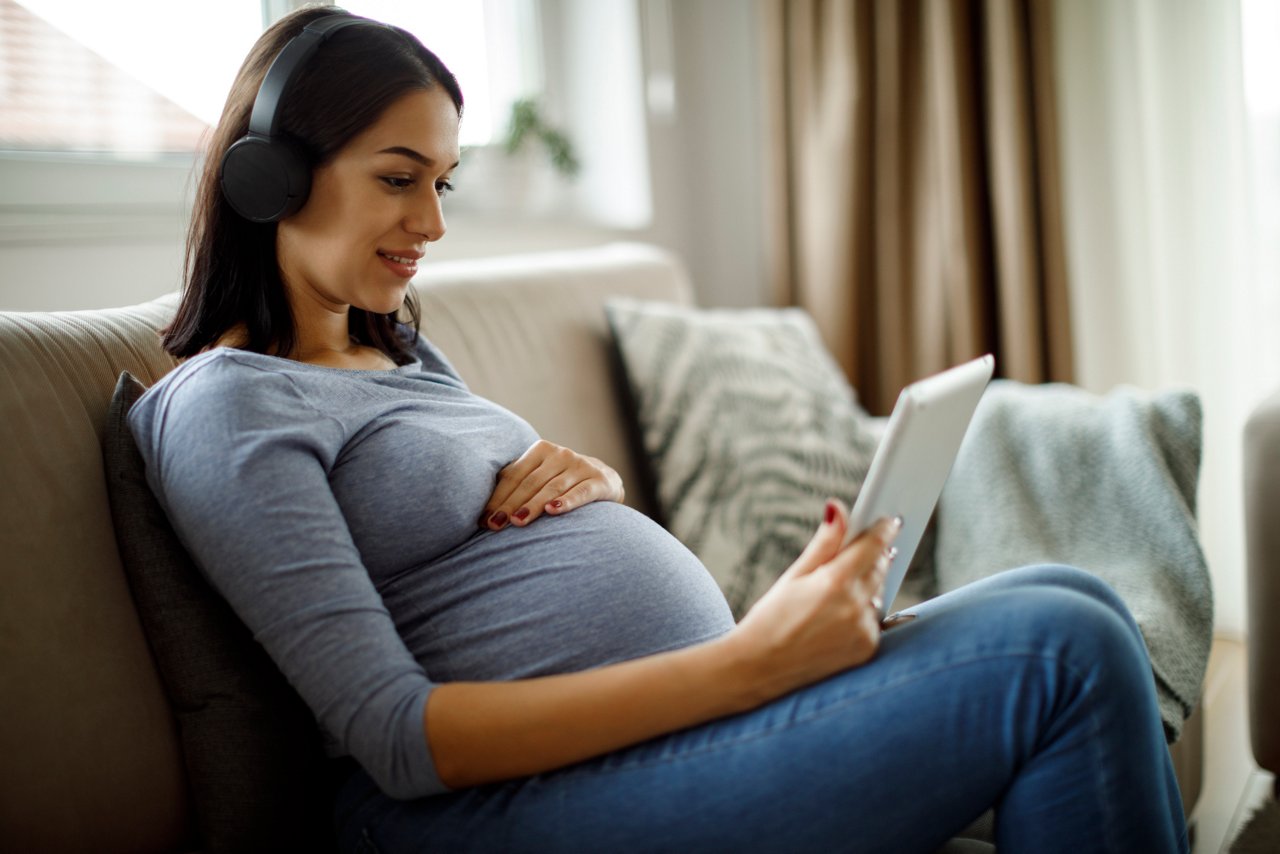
(336,511)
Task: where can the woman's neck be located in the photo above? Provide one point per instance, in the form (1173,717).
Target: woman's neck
(317,350)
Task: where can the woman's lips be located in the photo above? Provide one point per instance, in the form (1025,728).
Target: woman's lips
(406,267)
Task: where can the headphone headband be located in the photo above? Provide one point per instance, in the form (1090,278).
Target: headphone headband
(265,116)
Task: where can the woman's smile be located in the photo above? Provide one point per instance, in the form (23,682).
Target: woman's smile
(403,262)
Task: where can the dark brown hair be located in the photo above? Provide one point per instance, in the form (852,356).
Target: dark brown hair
(232,276)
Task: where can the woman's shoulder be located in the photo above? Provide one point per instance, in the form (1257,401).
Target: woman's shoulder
(216,386)
(219,371)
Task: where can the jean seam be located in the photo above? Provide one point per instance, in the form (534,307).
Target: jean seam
(826,710)
(1107,785)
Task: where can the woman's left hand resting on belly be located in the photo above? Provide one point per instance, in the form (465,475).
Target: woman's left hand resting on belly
(548,478)
(819,618)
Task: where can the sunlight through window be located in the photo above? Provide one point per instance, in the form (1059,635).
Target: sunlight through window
(144,77)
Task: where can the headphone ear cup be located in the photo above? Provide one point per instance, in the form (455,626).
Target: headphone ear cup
(265,180)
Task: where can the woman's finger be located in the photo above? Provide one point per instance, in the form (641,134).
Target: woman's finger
(860,564)
(872,583)
(521,479)
(535,505)
(518,505)
(545,473)
(825,542)
(515,473)
(583,493)
(896,619)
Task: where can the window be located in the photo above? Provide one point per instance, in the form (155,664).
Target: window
(128,89)
(490,46)
(83,76)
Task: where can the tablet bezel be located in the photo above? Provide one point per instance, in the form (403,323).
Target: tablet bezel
(915,458)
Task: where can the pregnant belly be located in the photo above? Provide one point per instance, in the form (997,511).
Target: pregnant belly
(600,584)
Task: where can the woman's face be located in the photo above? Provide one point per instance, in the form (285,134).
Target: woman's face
(372,209)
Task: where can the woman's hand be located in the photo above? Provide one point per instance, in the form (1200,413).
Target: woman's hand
(548,478)
(822,615)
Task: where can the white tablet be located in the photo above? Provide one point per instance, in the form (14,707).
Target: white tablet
(915,457)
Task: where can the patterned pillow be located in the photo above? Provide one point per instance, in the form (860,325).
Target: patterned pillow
(748,424)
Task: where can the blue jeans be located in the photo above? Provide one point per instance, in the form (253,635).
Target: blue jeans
(1029,691)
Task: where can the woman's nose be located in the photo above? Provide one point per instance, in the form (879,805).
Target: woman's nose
(428,220)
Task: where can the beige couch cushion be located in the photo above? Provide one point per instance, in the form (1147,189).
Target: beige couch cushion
(89,746)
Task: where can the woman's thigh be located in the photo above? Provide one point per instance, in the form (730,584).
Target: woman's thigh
(899,754)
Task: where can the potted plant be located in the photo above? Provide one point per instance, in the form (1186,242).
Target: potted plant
(528,124)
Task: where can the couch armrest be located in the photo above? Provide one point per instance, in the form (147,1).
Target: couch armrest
(1262,539)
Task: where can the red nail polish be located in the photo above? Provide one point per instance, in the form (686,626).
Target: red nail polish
(522,512)
(557,504)
(499,518)
(831,512)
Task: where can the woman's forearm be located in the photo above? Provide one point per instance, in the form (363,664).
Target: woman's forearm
(481,732)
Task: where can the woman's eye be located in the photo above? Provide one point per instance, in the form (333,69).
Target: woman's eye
(398,183)
(443,188)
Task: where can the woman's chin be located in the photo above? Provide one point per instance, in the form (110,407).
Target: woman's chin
(385,305)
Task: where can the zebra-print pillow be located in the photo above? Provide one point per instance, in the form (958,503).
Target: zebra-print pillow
(749,425)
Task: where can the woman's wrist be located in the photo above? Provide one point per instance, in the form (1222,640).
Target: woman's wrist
(740,672)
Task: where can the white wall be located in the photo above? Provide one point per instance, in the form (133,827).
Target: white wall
(710,170)
(79,235)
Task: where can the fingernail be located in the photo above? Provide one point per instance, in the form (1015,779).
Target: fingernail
(897,618)
(897,523)
(891,552)
(521,513)
(557,504)
(499,519)
(831,512)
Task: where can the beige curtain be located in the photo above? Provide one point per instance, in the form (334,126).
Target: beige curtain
(920,217)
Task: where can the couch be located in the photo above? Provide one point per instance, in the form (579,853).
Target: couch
(91,752)
(1262,578)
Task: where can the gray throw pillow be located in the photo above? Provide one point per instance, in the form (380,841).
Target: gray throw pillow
(252,749)
(748,425)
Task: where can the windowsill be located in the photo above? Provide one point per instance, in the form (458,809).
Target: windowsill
(54,197)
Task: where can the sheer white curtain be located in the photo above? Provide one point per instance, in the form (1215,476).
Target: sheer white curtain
(1170,224)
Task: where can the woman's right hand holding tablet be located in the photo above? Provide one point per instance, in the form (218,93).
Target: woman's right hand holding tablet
(822,614)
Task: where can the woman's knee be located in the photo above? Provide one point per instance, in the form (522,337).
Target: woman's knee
(1085,622)
(1070,578)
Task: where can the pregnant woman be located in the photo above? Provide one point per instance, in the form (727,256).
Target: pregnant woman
(503,656)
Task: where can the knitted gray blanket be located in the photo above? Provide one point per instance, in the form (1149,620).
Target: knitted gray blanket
(1053,474)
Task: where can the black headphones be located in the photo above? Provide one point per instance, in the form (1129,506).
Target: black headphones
(266,177)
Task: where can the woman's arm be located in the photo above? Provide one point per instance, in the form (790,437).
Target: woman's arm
(239,459)
(817,620)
